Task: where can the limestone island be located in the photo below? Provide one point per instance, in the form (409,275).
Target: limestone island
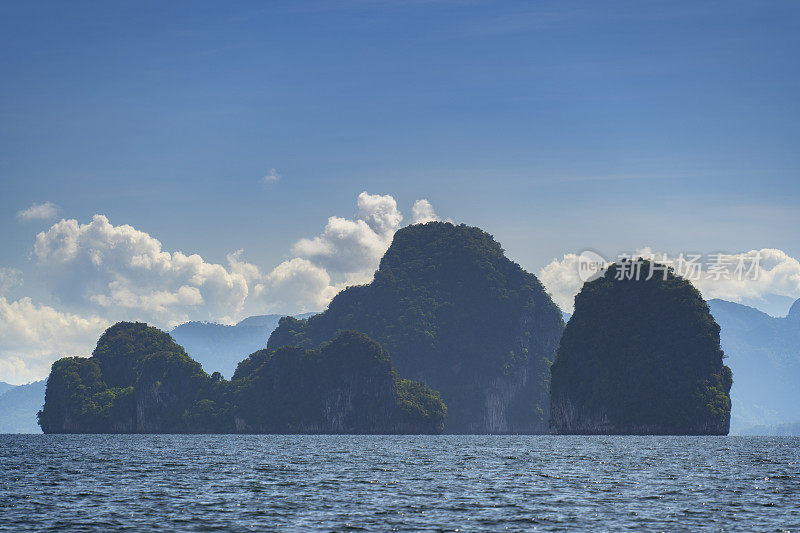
(138,380)
(641,357)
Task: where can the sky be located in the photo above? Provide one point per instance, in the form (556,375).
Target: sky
(172,161)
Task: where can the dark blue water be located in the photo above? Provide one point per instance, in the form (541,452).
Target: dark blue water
(442,483)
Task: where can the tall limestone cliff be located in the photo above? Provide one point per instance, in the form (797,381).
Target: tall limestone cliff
(640,356)
(138,380)
(456,314)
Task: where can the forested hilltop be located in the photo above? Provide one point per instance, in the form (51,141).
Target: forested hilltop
(138,380)
(456,314)
(640,356)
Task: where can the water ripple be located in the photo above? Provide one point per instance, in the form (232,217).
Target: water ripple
(401,483)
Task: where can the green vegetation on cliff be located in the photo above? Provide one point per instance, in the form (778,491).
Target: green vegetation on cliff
(456,314)
(314,391)
(640,356)
(138,380)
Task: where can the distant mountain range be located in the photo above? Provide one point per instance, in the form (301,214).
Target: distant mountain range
(19,405)
(219,348)
(764,354)
(5,387)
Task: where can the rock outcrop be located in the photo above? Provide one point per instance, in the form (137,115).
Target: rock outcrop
(457,315)
(346,386)
(640,356)
(139,380)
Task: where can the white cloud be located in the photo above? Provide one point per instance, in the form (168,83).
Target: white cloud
(422,211)
(562,281)
(126,274)
(241,268)
(296,286)
(777,274)
(45,211)
(352,248)
(98,273)
(33,336)
(347,252)
(123,273)
(271,177)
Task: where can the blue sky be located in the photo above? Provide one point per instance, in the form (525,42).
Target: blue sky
(556,126)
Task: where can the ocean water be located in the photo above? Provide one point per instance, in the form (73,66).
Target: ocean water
(403,483)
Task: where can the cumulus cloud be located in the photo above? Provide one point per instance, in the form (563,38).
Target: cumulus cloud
(346,252)
(45,211)
(98,273)
(125,273)
(241,268)
(296,286)
(353,247)
(120,272)
(422,212)
(33,336)
(775,273)
(560,278)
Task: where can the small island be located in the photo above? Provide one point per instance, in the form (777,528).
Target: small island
(138,380)
(459,316)
(640,356)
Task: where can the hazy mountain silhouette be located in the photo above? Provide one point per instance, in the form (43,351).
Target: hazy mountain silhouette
(18,407)
(219,348)
(764,354)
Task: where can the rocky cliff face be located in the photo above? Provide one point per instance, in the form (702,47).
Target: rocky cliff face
(640,356)
(571,417)
(456,314)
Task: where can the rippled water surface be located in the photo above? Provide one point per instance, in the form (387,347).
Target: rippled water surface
(441,483)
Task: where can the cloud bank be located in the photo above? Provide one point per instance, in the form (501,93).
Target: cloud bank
(346,252)
(33,336)
(99,273)
(121,272)
(778,274)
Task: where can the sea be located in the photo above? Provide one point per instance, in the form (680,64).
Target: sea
(398,483)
